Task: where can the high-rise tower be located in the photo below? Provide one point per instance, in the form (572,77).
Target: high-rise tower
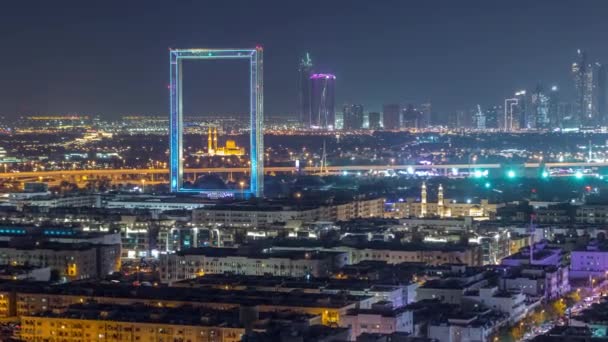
(391,116)
(374,120)
(423,200)
(440,201)
(601,89)
(305,70)
(510,117)
(554,117)
(540,109)
(582,74)
(353,117)
(323,114)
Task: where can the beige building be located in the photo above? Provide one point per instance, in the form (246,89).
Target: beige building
(200,261)
(90,322)
(72,261)
(262,216)
(35,299)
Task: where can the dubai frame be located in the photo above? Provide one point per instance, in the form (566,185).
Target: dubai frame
(256,116)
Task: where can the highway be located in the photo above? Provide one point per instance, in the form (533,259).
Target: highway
(279,169)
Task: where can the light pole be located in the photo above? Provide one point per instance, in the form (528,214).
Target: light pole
(242,185)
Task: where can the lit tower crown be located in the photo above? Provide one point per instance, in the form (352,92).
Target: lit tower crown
(215,139)
(440,201)
(423,200)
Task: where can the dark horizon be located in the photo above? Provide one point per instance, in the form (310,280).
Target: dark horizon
(111,58)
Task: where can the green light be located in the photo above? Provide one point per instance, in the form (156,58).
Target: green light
(488,185)
(545,174)
(511,174)
(578,175)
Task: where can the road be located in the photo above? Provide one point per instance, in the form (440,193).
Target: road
(279,169)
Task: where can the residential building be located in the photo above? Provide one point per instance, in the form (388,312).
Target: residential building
(195,262)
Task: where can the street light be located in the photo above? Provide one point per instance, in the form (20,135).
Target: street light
(242,185)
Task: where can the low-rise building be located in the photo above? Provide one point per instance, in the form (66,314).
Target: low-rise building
(381,318)
(397,294)
(453,285)
(70,261)
(267,214)
(109,322)
(590,261)
(466,326)
(27,299)
(206,260)
(396,252)
(29,273)
(538,282)
(542,255)
(513,304)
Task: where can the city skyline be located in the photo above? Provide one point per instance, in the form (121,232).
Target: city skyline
(118,66)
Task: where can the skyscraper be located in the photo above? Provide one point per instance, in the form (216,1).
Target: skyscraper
(540,109)
(353,117)
(391,116)
(374,120)
(510,121)
(554,117)
(305,71)
(426,112)
(480,118)
(493,114)
(521,117)
(460,119)
(582,74)
(323,114)
(601,97)
(412,117)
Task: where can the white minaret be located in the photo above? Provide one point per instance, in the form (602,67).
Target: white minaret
(440,201)
(423,200)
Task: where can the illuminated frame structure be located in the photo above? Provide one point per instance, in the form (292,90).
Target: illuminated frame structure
(256,114)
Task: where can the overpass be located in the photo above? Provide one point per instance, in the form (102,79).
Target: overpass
(151,173)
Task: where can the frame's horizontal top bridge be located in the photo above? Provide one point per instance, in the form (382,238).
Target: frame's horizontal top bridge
(212,53)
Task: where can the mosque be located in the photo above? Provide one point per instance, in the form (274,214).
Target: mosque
(231,149)
(443,208)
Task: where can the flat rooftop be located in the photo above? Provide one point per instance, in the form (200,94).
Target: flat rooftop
(257,253)
(182,294)
(286,283)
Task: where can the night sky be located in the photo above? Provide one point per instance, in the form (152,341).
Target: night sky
(111,57)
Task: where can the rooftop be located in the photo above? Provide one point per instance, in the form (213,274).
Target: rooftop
(256,253)
(191,295)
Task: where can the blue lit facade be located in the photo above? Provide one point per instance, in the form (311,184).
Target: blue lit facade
(256,154)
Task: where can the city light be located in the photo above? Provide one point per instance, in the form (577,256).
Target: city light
(487,207)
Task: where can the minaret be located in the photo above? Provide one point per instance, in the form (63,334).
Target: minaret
(440,201)
(215,139)
(209,142)
(423,200)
